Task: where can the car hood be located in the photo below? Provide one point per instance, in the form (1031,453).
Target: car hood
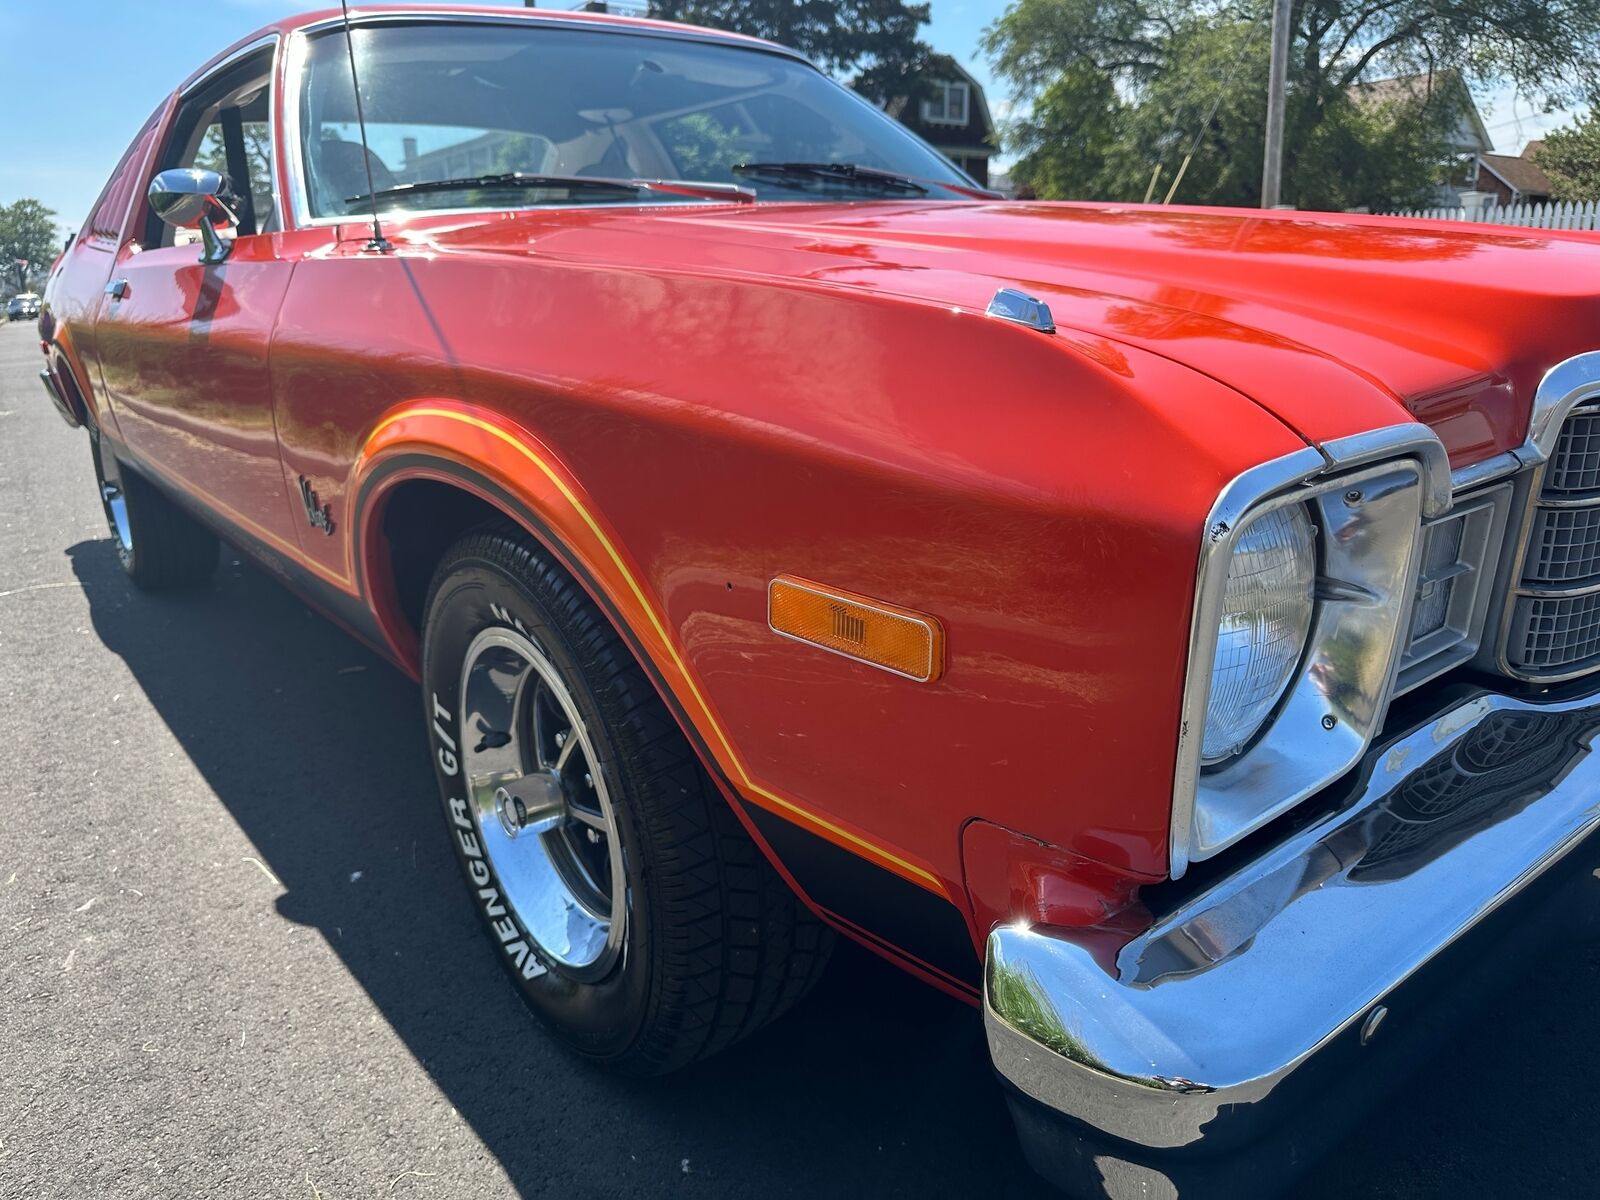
(1334,324)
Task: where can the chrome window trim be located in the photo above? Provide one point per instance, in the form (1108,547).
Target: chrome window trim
(275,42)
(1245,494)
(198,81)
(542,18)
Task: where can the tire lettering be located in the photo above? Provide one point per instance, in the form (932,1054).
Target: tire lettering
(505,618)
(505,928)
(441,713)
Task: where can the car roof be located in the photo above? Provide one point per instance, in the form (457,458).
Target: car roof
(478,12)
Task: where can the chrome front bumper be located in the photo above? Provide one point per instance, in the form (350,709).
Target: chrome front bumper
(1178,1039)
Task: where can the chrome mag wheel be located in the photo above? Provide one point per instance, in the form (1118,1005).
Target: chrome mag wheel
(540,803)
(114,499)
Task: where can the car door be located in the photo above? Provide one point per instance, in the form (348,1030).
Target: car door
(183,344)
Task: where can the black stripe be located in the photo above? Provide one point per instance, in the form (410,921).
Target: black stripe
(911,918)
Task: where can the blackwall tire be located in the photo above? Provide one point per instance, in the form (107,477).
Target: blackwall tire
(161,547)
(681,937)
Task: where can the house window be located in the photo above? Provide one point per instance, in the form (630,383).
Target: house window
(948,104)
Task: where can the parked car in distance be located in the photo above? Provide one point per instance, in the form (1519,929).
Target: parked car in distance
(1172,632)
(23,306)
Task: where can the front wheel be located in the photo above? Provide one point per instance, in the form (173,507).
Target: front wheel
(638,919)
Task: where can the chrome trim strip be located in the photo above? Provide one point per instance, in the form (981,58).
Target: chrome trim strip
(1243,493)
(1564,387)
(1400,441)
(1543,501)
(1487,471)
(198,81)
(1180,1034)
(1553,591)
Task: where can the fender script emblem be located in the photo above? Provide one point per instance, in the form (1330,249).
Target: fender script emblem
(320,517)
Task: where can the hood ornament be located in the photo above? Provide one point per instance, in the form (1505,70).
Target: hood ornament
(1011,305)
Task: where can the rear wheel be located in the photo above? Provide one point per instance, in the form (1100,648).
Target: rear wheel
(635,914)
(161,546)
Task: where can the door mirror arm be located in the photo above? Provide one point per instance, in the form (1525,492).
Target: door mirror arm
(191,198)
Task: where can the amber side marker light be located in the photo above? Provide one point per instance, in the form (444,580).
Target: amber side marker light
(870,631)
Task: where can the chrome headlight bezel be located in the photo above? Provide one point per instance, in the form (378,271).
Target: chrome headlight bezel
(1367,505)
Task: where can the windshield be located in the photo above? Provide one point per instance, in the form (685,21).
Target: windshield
(458,102)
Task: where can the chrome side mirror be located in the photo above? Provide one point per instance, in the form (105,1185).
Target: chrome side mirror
(189,198)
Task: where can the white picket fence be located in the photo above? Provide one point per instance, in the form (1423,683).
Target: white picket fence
(1571,215)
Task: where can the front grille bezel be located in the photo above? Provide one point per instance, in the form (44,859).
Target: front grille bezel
(1551,624)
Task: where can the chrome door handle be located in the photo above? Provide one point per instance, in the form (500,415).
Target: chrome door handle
(117,289)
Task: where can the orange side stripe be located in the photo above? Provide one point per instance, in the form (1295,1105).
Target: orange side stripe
(909,869)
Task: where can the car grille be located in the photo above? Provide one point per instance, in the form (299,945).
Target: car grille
(1554,627)
(1454,578)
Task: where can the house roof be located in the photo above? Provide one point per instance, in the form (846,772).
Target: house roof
(1519,172)
(942,66)
(1374,93)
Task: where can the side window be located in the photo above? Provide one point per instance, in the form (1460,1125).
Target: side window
(111,209)
(225,126)
(256,140)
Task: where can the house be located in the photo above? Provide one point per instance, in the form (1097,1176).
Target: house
(1514,178)
(1469,140)
(951,114)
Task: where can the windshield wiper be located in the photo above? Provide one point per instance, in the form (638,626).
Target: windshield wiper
(520,179)
(833,172)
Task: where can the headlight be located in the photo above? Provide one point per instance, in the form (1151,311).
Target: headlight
(1305,584)
(1262,629)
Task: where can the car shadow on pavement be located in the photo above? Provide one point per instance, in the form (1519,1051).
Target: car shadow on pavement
(876,1085)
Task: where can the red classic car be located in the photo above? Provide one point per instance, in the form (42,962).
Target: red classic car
(1171,631)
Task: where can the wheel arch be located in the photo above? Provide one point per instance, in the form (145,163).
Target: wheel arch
(462,466)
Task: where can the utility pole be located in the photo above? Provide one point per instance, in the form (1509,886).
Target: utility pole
(1277,84)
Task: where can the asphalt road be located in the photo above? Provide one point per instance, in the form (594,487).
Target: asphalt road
(236,959)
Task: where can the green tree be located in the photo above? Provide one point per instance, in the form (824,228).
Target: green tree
(1162,77)
(874,42)
(1571,157)
(27,236)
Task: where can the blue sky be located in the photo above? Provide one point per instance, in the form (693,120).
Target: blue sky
(90,71)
